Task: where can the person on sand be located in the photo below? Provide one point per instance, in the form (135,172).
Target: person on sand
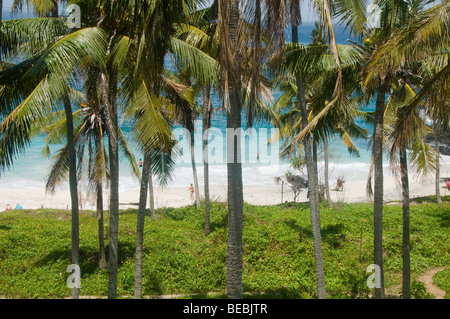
(8,207)
(448,185)
(18,206)
(192,190)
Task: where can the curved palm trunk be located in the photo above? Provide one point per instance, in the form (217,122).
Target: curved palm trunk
(234,171)
(378,189)
(73,189)
(206,125)
(313,185)
(102,264)
(406,281)
(140,226)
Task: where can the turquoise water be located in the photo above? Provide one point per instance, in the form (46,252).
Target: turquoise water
(31,169)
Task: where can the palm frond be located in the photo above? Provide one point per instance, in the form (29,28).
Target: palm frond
(203,67)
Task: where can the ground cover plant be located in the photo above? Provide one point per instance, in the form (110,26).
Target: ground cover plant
(179,259)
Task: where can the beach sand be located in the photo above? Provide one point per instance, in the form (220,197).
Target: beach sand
(257,195)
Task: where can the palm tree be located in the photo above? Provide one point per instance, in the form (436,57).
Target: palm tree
(231,16)
(90,134)
(394,16)
(204,35)
(49,60)
(324,11)
(155,29)
(51,9)
(206,113)
(186,112)
(437,175)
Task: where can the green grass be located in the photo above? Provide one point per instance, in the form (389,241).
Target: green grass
(178,259)
(442,280)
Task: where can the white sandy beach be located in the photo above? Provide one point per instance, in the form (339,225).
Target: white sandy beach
(354,191)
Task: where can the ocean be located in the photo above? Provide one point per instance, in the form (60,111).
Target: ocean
(31,168)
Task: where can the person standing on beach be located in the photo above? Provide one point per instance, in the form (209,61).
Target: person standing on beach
(192,190)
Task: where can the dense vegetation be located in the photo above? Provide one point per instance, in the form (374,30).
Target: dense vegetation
(179,259)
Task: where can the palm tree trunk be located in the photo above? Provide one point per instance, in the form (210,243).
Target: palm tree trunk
(378,189)
(438,171)
(140,227)
(54,11)
(406,281)
(206,125)
(234,170)
(312,182)
(316,171)
(326,174)
(151,192)
(101,236)
(73,189)
(102,264)
(110,95)
(194,168)
(1,12)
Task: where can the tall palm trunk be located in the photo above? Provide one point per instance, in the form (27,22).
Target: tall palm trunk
(406,281)
(206,112)
(234,170)
(102,264)
(313,184)
(316,171)
(326,174)
(438,170)
(73,188)
(194,168)
(378,189)
(140,226)
(110,95)
(151,194)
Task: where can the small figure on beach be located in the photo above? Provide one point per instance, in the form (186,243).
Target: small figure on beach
(140,163)
(8,207)
(448,185)
(18,206)
(192,190)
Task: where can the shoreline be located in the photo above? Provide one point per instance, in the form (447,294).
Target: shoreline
(33,198)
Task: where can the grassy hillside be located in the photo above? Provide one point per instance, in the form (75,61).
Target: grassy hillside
(178,258)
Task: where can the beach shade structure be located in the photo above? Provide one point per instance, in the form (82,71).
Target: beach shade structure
(339,184)
(298,184)
(297,181)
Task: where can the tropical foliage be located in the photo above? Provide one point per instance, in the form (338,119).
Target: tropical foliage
(79,86)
